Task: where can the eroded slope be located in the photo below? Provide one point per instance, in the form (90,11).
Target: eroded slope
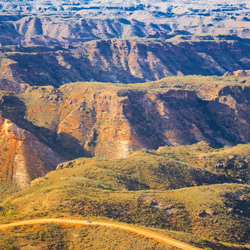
(121,61)
(111,121)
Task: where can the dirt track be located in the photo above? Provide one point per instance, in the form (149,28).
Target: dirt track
(143,232)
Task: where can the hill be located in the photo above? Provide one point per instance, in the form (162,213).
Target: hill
(112,120)
(213,214)
(195,193)
(53,236)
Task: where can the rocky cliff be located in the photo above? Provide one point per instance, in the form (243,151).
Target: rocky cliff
(124,61)
(22,156)
(112,120)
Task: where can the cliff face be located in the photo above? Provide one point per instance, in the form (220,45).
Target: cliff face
(23,157)
(119,61)
(110,121)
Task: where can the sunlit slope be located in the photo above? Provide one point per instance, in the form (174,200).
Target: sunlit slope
(137,190)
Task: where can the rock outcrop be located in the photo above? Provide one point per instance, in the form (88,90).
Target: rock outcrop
(119,61)
(111,121)
(22,156)
(238,73)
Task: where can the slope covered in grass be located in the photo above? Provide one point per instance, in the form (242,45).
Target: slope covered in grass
(231,162)
(60,236)
(168,189)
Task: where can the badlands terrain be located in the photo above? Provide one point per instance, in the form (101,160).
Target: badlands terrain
(134,114)
(60,21)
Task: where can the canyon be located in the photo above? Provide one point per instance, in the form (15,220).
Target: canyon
(131,112)
(112,120)
(76,21)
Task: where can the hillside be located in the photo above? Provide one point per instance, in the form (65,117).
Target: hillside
(79,237)
(105,119)
(122,60)
(192,192)
(233,162)
(169,167)
(212,213)
(112,120)
(195,194)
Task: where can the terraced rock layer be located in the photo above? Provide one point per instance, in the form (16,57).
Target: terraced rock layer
(50,22)
(124,61)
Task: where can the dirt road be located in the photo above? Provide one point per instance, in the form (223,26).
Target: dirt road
(143,232)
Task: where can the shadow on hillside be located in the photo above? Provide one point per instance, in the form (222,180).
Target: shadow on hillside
(14,109)
(185,119)
(43,69)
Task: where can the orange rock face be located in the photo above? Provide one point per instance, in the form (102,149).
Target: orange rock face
(110,121)
(45,125)
(23,157)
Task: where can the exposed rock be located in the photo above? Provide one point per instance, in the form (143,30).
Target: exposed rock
(23,157)
(238,73)
(207,212)
(229,210)
(241,73)
(69,164)
(98,120)
(119,61)
(211,212)
(202,214)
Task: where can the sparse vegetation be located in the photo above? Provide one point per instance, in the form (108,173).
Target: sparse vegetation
(53,236)
(137,190)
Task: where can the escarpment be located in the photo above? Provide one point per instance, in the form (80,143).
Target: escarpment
(91,119)
(121,61)
(110,121)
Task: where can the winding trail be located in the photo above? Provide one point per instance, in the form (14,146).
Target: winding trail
(143,232)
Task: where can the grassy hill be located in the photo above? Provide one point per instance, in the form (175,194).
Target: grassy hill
(231,162)
(169,190)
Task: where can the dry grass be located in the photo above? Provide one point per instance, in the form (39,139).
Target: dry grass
(57,236)
(139,190)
